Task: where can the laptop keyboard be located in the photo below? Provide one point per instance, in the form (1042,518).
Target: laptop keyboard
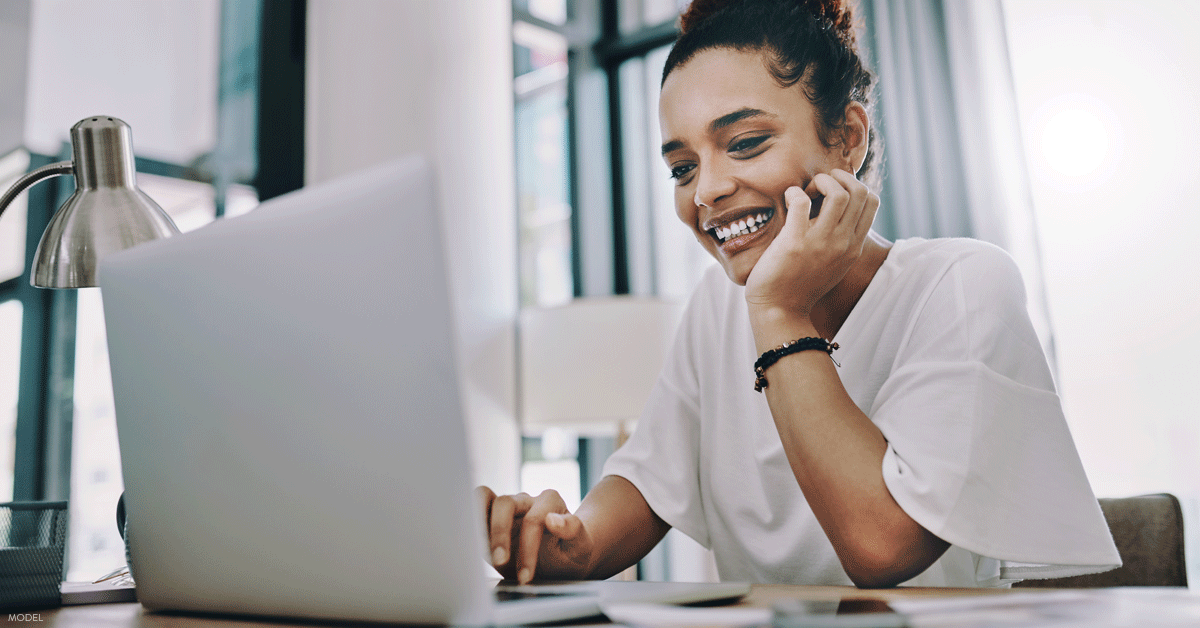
(505,595)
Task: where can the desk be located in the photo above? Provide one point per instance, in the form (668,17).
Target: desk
(134,616)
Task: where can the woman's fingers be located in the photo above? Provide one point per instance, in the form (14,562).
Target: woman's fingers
(521,528)
(505,509)
(565,526)
(810,256)
(868,217)
(532,529)
(798,206)
(835,200)
(857,195)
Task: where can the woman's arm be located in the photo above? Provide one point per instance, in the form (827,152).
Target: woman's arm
(622,525)
(836,454)
(834,450)
(537,537)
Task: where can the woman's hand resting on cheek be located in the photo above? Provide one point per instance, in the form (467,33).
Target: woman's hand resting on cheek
(810,256)
(534,537)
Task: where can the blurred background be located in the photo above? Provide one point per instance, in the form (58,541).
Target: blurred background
(1060,130)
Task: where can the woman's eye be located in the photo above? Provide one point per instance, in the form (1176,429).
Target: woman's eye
(678,172)
(747,144)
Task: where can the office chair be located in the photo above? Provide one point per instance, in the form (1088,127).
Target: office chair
(1148,531)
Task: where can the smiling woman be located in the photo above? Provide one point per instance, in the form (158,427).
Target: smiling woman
(933,452)
(747,129)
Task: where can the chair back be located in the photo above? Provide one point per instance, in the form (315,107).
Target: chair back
(1148,531)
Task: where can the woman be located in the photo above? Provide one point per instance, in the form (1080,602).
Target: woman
(933,452)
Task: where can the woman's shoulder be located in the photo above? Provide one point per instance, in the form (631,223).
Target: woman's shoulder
(966,256)
(951,250)
(972,273)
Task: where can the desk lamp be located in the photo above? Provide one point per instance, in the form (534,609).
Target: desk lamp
(107,212)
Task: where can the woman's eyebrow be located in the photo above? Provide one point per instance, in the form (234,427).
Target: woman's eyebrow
(726,120)
(737,116)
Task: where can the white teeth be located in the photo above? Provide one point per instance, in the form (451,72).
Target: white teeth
(749,224)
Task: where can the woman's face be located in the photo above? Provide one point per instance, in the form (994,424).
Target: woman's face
(735,140)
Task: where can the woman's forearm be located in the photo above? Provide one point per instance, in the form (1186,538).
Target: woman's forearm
(836,454)
(622,526)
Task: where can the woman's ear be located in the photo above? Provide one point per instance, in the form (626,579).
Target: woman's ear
(856,133)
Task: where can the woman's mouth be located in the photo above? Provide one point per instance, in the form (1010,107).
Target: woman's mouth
(741,227)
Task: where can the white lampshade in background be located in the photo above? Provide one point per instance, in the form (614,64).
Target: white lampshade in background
(589,365)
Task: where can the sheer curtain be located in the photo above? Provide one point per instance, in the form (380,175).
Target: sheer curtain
(953,160)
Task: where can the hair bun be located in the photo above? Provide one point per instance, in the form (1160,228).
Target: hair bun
(836,12)
(698,11)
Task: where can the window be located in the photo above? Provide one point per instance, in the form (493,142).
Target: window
(12,266)
(663,258)
(10,368)
(203,151)
(595,216)
(542,163)
(595,202)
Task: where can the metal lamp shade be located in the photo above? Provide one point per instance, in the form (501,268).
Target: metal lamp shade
(107,212)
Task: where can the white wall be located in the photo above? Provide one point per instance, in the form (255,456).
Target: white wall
(152,64)
(389,77)
(14,66)
(1108,93)
(1118,213)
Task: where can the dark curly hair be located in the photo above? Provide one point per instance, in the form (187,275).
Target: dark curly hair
(808,41)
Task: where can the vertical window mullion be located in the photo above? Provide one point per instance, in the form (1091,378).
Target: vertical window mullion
(610,31)
(29,461)
(620,244)
(573,169)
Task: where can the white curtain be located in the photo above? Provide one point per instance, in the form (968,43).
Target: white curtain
(953,159)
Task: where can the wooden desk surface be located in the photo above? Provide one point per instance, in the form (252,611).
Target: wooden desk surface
(131,615)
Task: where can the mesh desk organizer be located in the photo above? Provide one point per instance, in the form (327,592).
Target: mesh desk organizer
(32,541)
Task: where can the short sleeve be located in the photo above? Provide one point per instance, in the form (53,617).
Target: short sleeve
(662,456)
(979,452)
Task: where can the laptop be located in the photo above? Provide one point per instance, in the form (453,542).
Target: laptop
(290,424)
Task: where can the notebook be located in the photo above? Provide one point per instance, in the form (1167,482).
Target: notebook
(289,417)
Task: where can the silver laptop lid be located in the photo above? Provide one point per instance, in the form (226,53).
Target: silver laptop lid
(288,413)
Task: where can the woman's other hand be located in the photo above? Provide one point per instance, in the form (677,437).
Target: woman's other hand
(810,256)
(534,537)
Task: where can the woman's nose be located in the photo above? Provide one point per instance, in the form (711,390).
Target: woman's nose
(713,183)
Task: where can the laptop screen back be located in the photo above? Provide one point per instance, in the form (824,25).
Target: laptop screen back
(288,410)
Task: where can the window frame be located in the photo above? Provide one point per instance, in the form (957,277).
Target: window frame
(600,247)
(42,457)
(612,50)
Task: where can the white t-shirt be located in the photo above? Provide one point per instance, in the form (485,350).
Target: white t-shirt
(941,355)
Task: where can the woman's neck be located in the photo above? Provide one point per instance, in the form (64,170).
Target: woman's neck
(832,310)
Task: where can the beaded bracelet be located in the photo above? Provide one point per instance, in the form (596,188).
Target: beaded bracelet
(772,356)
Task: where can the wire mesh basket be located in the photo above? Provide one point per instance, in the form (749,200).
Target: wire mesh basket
(32,541)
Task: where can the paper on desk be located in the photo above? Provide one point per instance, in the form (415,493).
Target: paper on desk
(669,616)
(1096,608)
